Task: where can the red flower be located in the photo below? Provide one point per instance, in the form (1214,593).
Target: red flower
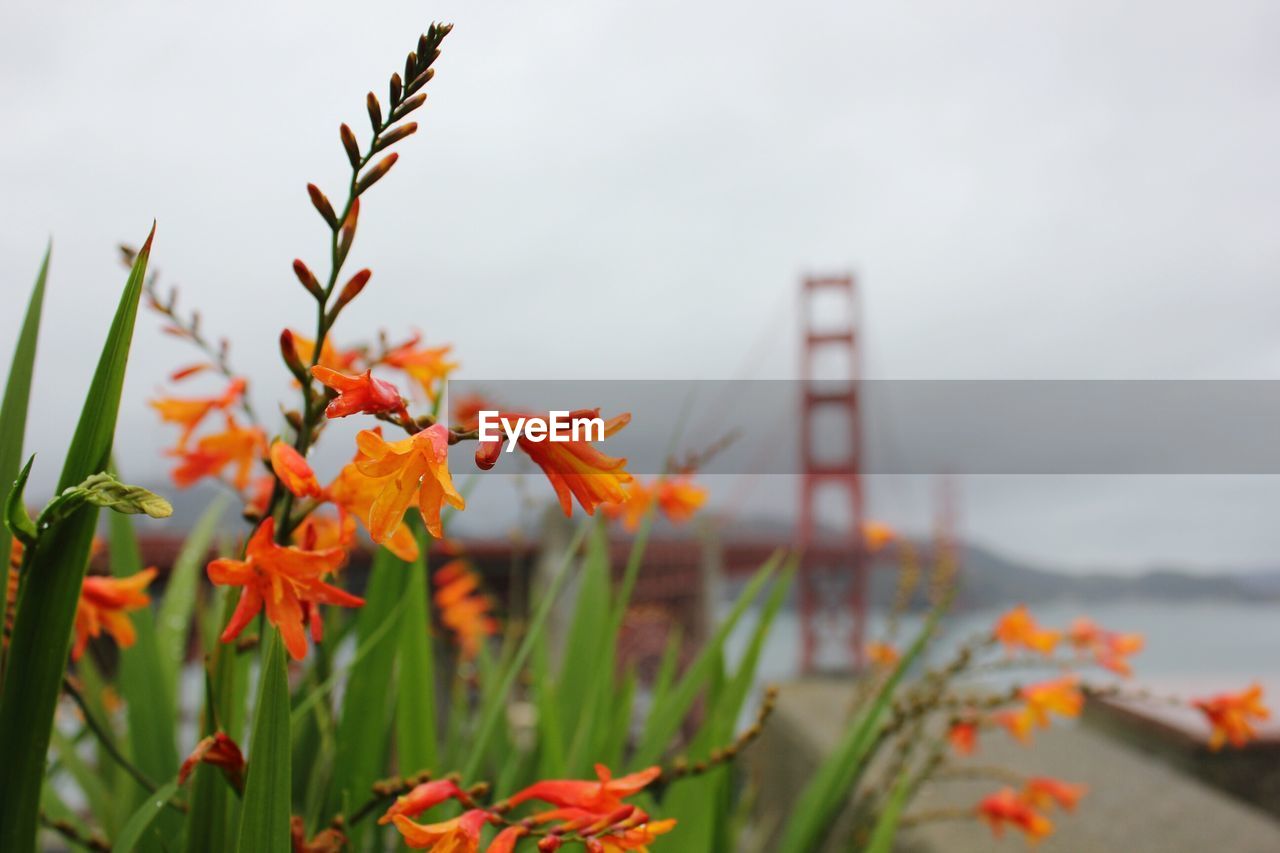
(423,797)
(294,472)
(357,394)
(599,797)
(1110,649)
(284,580)
(1016,629)
(505,841)
(458,835)
(426,366)
(190,412)
(220,751)
(576,469)
(1230,715)
(236,445)
(963,737)
(326,841)
(1042,792)
(1006,808)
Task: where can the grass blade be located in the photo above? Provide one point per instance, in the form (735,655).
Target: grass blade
(13,412)
(144,819)
(41,638)
(264,817)
(416,747)
(173,619)
(886,827)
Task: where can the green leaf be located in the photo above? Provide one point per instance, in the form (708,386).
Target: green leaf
(665,719)
(144,819)
(16,518)
(264,817)
(496,706)
(173,618)
(886,828)
(13,410)
(41,638)
(364,729)
(830,787)
(416,682)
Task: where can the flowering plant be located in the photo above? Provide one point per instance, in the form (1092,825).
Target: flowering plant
(330,717)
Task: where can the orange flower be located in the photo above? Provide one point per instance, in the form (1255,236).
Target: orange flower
(462,610)
(103,604)
(326,841)
(358,394)
(679,498)
(882,654)
(1060,696)
(417,464)
(576,469)
(260,492)
(1110,649)
(877,534)
(216,750)
(458,835)
(293,471)
(422,797)
(505,841)
(284,580)
(1017,629)
(236,445)
(190,412)
(330,356)
(599,797)
(427,366)
(1018,723)
(636,838)
(354,493)
(633,507)
(318,532)
(1005,807)
(1042,792)
(1230,713)
(963,736)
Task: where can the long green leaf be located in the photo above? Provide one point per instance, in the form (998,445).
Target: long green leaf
(173,619)
(416,747)
(264,817)
(144,819)
(13,412)
(495,708)
(828,790)
(363,736)
(886,828)
(47,604)
(665,720)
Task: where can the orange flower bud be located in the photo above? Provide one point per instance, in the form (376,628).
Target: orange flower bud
(293,470)
(395,89)
(375,174)
(375,111)
(289,353)
(322,204)
(352,289)
(307,278)
(409,106)
(395,135)
(487,453)
(350,144)
(348,232)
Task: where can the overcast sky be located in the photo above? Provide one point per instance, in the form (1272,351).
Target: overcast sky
(610,190)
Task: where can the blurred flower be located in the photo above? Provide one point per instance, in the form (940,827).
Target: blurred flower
(462,610)
(354,493)
(236,445)
(576,469)
(293,471)
(882,654)
(877,534)
(1042,792)
(260,492)
(281,579)
(1058,696)
(1230,713)
(426,366)
(505,841)
(417,464)
(320,531)
(326,841)
(330,356)
(1017,629)
(677,497)
(635,838)
(457,835)
(963,736)
(423,797)
(1110,649)
(599,797)
(104,605)
(220,751)
(1006,808)
(188,413)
